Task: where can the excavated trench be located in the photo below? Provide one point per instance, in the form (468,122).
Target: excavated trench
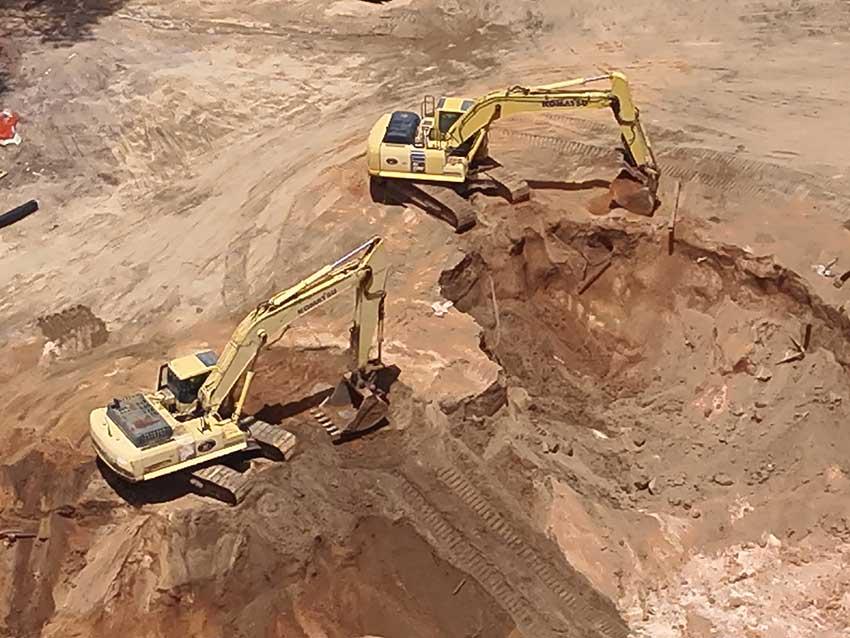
(653,416)
(656,408)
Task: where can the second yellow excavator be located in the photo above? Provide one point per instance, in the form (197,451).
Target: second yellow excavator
(419,155)
(194,418)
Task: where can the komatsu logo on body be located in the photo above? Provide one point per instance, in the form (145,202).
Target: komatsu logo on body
(566,101)
(315,302)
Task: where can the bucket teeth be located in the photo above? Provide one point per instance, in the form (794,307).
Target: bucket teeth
(327,424)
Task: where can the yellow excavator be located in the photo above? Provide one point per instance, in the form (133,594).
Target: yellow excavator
(416,156)
(195,416)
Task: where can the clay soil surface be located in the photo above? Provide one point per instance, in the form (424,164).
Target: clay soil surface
(601,437)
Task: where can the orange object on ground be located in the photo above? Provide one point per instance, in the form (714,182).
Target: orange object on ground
(8,134)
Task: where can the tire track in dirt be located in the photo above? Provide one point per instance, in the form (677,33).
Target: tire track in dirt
(383,24)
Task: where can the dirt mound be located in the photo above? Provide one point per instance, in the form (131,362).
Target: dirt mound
(73,331)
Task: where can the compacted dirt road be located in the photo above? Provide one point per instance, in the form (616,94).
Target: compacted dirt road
(599,438)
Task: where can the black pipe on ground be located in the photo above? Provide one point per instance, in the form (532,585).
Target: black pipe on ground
(18,213)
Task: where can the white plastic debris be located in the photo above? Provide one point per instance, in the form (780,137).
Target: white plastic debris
(825,270)
(441,308)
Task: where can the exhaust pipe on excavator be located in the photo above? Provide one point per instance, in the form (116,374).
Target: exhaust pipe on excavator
(356,405)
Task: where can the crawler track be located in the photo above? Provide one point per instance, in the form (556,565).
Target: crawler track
(222,483)
(231,486)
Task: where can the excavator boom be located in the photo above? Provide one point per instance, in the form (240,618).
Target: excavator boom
(565,95)
(364,269)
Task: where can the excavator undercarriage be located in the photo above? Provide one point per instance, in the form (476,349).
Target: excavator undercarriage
(224,482)
(453,203)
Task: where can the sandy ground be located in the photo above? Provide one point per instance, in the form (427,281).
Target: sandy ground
(632,458)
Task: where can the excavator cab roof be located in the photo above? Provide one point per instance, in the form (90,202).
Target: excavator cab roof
(449,110)
(458,104)
(193,364)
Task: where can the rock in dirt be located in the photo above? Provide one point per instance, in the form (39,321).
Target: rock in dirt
(518,398)
(600,205)
(631,195)
(763,374)
(653,487)
(723,479)
(643,483)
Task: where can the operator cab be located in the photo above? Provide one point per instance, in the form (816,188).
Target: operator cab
(182,378)
(445,113)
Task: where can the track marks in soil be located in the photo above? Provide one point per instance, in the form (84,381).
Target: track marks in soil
(716,169)
(543,599)
(562,585)
(466,556)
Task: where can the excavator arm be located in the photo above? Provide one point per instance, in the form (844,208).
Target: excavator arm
(571,94)
(364,269)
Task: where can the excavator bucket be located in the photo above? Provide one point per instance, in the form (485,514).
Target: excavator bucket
(633,195)
(351,408)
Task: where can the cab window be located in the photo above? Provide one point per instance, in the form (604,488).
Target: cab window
(446,120)
(185,391)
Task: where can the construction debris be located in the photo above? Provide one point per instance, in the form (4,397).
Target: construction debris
(18,213)
(592,278)
(840,281)
(441,308)
(8,125)
(825,270)
(9,536)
